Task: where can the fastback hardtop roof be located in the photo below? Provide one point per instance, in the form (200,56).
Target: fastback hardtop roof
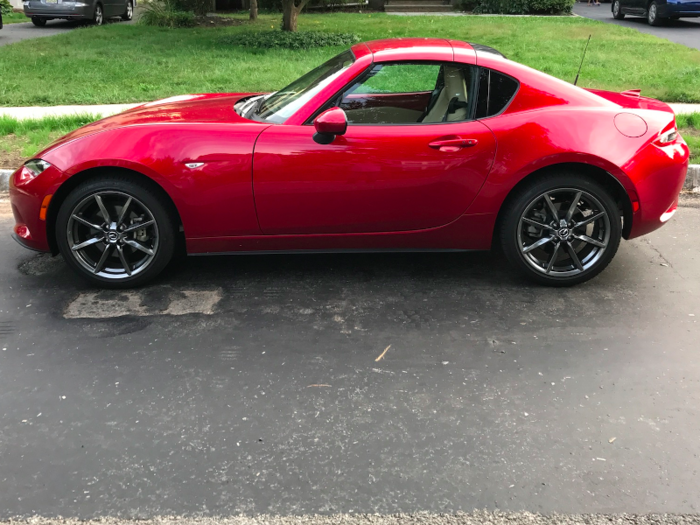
(395,44)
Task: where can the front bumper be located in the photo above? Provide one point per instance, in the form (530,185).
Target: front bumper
(26,197)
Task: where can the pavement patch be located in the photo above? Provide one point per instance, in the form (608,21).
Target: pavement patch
(106,304)
(419,518)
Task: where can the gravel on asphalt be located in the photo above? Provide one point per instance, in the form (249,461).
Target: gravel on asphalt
(420,518)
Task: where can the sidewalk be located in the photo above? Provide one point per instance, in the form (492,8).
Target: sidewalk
(106,110)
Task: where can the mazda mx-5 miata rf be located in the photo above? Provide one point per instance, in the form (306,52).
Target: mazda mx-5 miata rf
(402,144)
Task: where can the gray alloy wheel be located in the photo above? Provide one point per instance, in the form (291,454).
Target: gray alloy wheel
(617,10)
(560,229)
(98,17)
(563,232)
(116,231)
(129,13)
(653,17)
(112,245)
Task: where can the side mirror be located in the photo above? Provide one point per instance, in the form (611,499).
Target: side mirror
(329,124)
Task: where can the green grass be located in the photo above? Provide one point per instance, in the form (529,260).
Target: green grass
(13,18)
(21,139)
(133,63)
(689,126)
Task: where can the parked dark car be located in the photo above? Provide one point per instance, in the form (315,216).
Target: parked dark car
(40,11)
(656,11)
(0,19)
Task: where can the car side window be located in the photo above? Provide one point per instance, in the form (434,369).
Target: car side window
(410,93)
(496,90)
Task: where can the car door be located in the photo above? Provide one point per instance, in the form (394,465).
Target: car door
(411,158)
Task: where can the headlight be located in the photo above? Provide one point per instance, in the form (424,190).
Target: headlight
(36,166)
(668,136)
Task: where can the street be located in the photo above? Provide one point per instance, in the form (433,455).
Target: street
(685,31)
(352,383)
(12,33)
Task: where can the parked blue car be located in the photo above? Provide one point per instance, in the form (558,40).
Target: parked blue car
(656,11)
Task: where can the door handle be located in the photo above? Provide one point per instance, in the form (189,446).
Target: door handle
(453,144)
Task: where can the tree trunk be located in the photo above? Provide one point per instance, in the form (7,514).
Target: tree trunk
(253,9)
(289,16)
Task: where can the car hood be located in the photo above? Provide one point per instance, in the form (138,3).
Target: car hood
(632,100)
(217,107)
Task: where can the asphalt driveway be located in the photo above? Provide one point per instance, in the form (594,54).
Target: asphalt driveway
(685,31)
(352,383)
(12,33)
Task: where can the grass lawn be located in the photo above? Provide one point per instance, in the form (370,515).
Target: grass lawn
(14,18)
(20,140)
(133,63)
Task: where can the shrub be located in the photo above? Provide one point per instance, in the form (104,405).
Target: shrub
(198,7)
(164,13)
(5,7)
(521,7)
(289,40)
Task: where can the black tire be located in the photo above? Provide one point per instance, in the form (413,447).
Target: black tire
(560,268)
(39,22)
(129,13)
(617,10)
(653,18)
(98,16)
(141,197)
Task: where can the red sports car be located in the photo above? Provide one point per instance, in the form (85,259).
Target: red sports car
(402,144)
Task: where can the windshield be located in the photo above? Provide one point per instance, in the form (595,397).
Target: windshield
(281,105)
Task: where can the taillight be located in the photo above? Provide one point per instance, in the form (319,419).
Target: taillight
(667,137)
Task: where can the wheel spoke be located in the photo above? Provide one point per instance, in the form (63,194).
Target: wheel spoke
(537,224)
(537,244)
(589,220)
(590,240)
(138,226)
(138,246)
(87,243)
(574,256)
(552,209)
(122,214)
(554,257)
(86,222)
(103,259)
(574,205)
(120,251)
(103,210)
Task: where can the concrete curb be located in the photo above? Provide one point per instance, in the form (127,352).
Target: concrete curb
(692,179)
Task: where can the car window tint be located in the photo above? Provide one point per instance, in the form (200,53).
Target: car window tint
(410,93)
(496,90)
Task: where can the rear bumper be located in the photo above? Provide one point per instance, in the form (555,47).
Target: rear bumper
(686,9)
(60,11)
(658,180)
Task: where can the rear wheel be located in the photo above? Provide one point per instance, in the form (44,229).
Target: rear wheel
(617,10)
(653,17)
(115,232)
(39,22)
(98,17)
(561,230)
(129,13)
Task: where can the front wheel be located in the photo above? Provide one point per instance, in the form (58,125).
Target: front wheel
(115,232)
(617,10)
(653,17)
(39,22)
(561,230)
